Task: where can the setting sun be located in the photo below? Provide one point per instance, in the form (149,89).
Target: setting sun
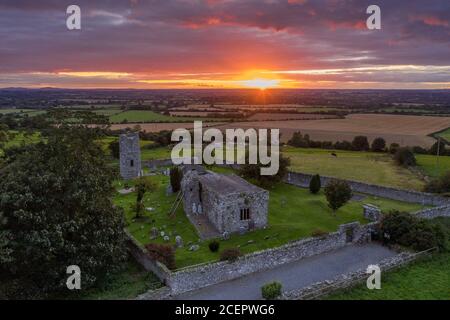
(261,83)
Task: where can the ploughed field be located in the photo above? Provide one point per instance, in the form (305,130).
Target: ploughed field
(405,130)
(294,213)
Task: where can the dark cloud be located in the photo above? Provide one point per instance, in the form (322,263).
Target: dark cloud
(186,36)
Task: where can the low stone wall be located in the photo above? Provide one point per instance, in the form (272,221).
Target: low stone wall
(140,254)
(153,164)
(443,211)
(302,180)
(343,281)
(196,277)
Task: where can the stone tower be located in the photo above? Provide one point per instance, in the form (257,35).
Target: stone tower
(130,155)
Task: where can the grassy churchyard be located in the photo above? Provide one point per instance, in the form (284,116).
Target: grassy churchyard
(294,213)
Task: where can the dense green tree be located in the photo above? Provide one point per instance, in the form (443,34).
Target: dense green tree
(143,185)
(405,157)
(338,193)
(315,184)
(378,145)
(393,148)
(360,143)
(253,171)
(438,147)
(56,197)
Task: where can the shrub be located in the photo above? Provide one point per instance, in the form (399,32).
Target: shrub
(404,157)
(175,179)
(231,254)
(378,145)
(393,148)
(409,231)
(114,149)
(271,290)
(360,143)
(214,245)
(439,185)
(164,253)
(438,147)
(337,193)
(315,184)
(319,233)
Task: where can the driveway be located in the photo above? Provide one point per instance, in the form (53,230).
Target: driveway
(295,275)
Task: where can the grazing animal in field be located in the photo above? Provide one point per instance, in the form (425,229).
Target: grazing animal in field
(334,154)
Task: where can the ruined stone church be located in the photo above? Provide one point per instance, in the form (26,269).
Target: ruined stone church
(228,202)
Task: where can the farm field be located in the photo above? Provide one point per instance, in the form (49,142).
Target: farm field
(156,127)
(294,213)
(370,167)
(150,116)
(287,116)
(405,130)
(433,166)
(424,280)
(445,134)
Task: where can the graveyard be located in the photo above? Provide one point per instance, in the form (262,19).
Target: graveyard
(294,213)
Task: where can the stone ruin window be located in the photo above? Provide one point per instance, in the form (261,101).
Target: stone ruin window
(245,214)
(131,163)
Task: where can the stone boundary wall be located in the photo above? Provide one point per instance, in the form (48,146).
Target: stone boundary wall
(302,180)
(443,211)
(192,278)
(343,281)
(141,256)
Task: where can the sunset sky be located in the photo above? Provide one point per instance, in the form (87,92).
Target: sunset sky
(225,44)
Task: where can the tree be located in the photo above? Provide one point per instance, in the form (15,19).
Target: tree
(438,146)
(57,199)
(440,184)
(5,252)
(315,184)
(338,193)
(360,143)
(378,145)
(404,157)
(393,148)
(175,179)
(143,185)
(253,171)
(114,148)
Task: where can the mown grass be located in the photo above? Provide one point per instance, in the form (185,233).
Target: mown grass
(433,166)
(370,167)
(294,213)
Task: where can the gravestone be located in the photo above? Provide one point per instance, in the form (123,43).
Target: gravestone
(179,241)
(153,233)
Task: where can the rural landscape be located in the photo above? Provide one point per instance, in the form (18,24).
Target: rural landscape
(321,170)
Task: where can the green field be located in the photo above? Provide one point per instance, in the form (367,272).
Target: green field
(433,166)
(150,116)
(445,134)
(370,167)
(293,213)
(424,280)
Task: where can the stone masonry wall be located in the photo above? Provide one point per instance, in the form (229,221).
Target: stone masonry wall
(443,211)
(140,254)
(196,277)
(302,180)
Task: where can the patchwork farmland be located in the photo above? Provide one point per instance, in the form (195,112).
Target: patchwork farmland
(405,130)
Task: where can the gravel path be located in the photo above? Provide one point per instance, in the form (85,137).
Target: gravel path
(295,275)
